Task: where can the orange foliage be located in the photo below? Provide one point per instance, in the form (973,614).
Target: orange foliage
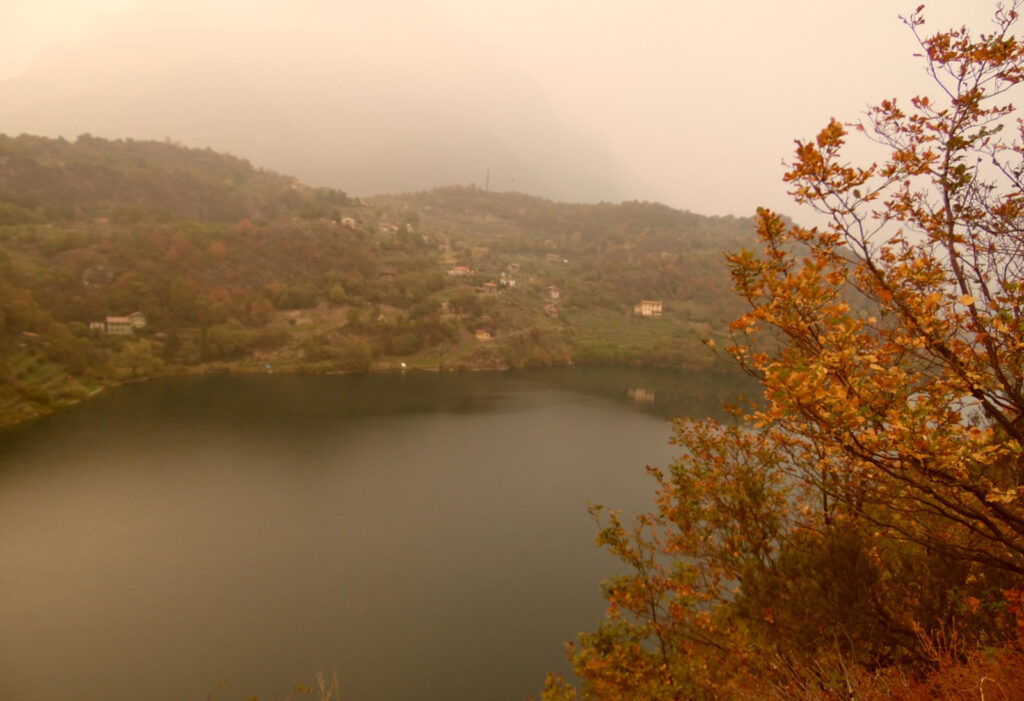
(861,532)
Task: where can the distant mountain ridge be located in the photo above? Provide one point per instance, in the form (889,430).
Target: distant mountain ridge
(368,100)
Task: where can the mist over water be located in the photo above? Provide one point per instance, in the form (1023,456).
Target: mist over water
(424,535)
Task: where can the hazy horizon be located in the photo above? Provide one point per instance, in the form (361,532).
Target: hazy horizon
(689,105)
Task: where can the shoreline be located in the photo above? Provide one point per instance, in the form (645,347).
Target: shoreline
(29,412)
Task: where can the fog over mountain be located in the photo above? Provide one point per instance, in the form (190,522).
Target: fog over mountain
(380,98)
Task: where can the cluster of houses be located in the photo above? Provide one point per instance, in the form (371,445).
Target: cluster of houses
(647,308)
(119,325)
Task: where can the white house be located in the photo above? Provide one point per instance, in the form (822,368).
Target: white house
(648,308)
(120,326)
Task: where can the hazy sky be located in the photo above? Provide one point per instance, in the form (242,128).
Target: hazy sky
(698,102)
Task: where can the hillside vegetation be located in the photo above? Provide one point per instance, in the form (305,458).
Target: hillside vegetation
(240,269)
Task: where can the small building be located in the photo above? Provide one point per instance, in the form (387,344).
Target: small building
(483,335)
(648,308)
(488,288)
(348,222)
(553,292)
(387,272)
(120,326)
(460,270)
(138,320)
(551,310)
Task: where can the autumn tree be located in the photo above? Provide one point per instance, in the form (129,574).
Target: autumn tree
(875,498)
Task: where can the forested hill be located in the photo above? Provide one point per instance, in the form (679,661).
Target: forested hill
(54,180)
(588,228)
(236,268)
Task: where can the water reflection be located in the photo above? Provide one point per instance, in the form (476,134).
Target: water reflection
(424,534)
(641,395)
(666,393)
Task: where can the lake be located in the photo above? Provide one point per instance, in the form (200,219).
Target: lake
(424,535)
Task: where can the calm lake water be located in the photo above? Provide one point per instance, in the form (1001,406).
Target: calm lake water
(424,535)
